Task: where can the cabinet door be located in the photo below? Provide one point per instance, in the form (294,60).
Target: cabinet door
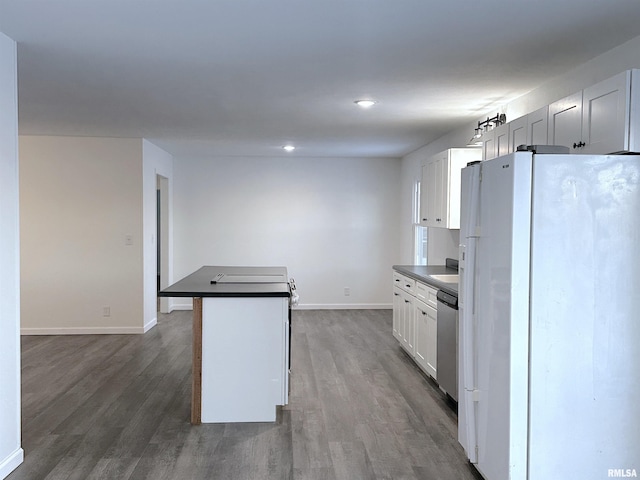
(408,324)
(457,160)
(488,145)
(518,133)
(431,189)
(422,334)
(565,122)
(398,311)
(538,127)
(605,115)
(425,192)
(428,195)
(439,189)
(440,196)
(432,341)
(501,139)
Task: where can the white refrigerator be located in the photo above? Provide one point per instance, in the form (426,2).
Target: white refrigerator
(549,380)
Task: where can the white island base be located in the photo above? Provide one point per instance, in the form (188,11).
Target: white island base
(245,371)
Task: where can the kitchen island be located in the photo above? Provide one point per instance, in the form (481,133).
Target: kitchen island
(240,361)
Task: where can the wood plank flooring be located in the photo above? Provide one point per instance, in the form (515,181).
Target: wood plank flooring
(118,407)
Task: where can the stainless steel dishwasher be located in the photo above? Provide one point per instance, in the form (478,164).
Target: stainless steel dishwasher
(447,351)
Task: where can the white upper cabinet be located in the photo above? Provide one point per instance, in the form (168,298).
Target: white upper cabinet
(489,149)
(537,127)
(605,115)
(518,133)
(501,139)
(565,122)
(529,129)
(440,187)
(600,119)
(431,191)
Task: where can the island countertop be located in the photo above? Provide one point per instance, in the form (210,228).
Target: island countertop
(198,284)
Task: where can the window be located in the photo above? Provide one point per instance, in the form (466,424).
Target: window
(419,232)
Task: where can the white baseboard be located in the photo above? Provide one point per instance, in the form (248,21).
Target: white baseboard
(12,462)
(85,330)
(91,330)
(181,306)
(344,306)
(150,324)
(318,306)
(185,306)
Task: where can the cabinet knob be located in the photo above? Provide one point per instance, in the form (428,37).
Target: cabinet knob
(408,286)
(579,144)
(407,301)
(424,219)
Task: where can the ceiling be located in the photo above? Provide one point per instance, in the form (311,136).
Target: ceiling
(244,77)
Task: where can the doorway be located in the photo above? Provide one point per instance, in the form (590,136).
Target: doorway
(162,245)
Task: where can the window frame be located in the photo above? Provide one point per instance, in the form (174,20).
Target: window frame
(419,233)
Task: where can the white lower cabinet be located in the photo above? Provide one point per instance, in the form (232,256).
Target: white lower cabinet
(244,384)
(403,319)
(398,313)
(426,337)
(415,323)
(408,337)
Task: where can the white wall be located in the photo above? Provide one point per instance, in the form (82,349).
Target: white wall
(80,199)
(443,243)
(11,454)
(332,221)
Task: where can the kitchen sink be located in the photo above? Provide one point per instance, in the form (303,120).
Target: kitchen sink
(446,278)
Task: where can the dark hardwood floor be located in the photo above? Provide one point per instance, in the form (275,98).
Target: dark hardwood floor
(117,407)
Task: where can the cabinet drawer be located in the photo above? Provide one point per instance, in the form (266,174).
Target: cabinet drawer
(427,294)
(405,283)
(409,285)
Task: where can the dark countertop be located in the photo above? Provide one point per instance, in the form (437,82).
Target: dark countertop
(422,272)
(198,284)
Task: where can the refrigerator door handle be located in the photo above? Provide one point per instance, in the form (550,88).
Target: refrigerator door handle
(469,395)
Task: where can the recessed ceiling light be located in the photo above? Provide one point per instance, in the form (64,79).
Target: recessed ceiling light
(289,148)
(365,103)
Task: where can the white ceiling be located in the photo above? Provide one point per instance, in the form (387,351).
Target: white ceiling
(244,77)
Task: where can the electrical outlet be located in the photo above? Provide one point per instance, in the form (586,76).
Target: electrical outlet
(106,311)
(347,291)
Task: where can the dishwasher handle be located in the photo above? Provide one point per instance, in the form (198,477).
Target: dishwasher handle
(447,299)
